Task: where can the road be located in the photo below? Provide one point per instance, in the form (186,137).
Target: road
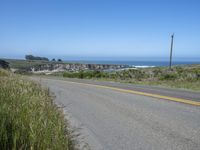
(116,120)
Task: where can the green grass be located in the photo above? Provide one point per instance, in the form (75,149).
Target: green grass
(86,74)
(185,77)
(28,117)
(187,85)
(27,64)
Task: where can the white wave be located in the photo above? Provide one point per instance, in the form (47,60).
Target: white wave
(144,66)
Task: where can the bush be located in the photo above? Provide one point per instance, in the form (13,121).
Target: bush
(3,73)
(86,74)
(4,64)
(157,72)
(169,76)
(28,117)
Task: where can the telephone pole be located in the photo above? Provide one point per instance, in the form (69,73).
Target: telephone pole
(172,42)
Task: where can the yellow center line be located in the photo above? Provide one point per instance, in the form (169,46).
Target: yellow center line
(181,100)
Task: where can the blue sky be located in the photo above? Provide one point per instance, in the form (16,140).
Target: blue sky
(84,29)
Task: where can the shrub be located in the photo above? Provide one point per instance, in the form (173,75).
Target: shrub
(157,72)
(4,64)
(86,74)
(169,76)
(3,73)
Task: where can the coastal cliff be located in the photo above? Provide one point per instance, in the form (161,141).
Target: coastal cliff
(50,67)
(56,67)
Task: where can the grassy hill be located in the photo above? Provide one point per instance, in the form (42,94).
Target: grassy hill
(183,76)
(23,64)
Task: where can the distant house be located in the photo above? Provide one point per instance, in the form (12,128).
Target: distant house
(4,64)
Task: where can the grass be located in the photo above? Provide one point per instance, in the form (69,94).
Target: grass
(27,64)
(193,86)
(28,117)
(86,74)
(185,77)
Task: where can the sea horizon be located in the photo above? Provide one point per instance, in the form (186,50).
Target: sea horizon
(136,63)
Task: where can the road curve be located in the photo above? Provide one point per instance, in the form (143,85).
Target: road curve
(114,120)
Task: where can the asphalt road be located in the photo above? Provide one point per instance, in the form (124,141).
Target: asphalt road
(115,120)
(172,92)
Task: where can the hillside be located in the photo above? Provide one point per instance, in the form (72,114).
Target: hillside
(40,66)
(182,76)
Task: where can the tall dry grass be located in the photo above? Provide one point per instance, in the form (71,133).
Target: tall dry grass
(28,117)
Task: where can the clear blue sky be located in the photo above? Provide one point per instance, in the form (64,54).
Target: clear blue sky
(99,28)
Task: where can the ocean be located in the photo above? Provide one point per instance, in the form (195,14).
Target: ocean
(138,63)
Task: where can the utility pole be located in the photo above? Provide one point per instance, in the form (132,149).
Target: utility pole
(172,42)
